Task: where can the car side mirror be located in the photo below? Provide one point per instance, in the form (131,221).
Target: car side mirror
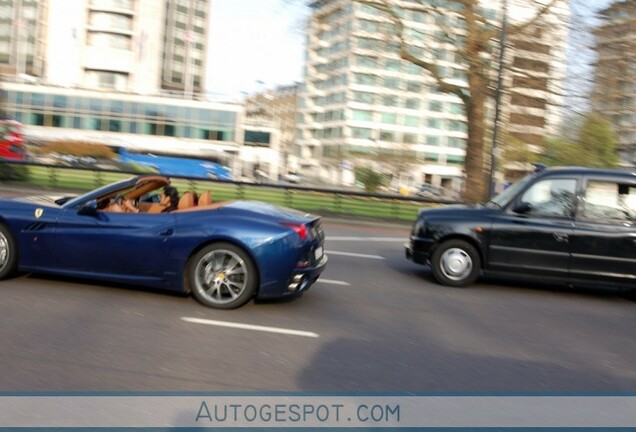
(88,209)
(522,208)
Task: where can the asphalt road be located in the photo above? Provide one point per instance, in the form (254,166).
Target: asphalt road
(374,323)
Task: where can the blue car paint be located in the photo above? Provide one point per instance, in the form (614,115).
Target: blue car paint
(134,244)
(153,250)
(274,247)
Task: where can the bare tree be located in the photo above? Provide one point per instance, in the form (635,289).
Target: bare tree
(473,39)
(580,82)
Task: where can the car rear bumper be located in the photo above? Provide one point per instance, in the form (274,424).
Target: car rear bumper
(300,281)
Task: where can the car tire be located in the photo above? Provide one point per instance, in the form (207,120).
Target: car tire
(222,276)
(456,263)
(8,253)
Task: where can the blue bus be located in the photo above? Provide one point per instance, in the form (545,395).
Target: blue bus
(177,166)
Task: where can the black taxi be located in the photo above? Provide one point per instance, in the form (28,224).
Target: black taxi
(576,225)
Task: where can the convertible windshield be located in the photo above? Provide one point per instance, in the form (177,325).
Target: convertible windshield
(101,191)
(508,194)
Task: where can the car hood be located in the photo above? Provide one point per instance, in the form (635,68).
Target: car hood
(280,213)
(39,200)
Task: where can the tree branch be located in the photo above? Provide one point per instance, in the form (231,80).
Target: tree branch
(407,55)
(513,29)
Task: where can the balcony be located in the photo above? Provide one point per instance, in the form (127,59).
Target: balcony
(109,59)
(125,7)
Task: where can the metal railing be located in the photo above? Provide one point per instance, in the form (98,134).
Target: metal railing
(322,201)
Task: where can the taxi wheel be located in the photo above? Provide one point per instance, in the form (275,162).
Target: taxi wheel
(8,253)
(222,276)
(456,263)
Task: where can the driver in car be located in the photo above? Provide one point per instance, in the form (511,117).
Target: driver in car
(169,199)
(120,205)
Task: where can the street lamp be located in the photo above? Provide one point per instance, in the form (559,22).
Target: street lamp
(498,91)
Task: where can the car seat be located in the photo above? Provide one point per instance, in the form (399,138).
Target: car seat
(188,200)
(205,199)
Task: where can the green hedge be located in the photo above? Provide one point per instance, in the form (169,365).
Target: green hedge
(319,202)
(13,172)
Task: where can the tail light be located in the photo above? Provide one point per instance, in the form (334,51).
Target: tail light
(300,229)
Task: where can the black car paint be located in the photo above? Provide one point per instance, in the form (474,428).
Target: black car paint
(568,249)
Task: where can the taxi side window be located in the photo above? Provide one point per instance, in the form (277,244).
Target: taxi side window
(609,202)
(553,197)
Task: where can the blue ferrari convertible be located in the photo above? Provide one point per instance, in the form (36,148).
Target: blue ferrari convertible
(224,253)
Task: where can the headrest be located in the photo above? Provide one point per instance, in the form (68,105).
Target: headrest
(186,201)
(205,198)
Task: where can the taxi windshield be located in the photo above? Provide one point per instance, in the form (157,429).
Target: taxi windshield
(509,193)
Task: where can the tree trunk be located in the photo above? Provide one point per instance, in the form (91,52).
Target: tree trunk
(476,189)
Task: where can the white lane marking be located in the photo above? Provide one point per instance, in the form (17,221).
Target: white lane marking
(369,239)
(333,282)
(357,255)
(249,327)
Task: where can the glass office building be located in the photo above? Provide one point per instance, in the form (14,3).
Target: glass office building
(144,122)
(120,114)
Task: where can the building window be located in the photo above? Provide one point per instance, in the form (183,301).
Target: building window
(412,121)
(364,97)
(367,61)
(387,136)
(109,20)
(362,115)
(434,123)
(390,101)
(368,44)
(114,126)
(108,80)
(412,103)
(414,86)
(436,106)
(365,79)
(431,157)
(393,65)
(433,140)
(409,138)
(458,126)
(456,108)
(455,159)
(392,83)
(455,142)
(362,133)
(389,118)
(109,40)
(257,138)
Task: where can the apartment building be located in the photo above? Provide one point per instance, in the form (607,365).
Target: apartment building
(141,46)
(116,72)
(277,107)
(614,94)
(361,103)
(22,37)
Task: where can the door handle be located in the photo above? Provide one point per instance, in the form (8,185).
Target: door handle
(561,238)
(167,232)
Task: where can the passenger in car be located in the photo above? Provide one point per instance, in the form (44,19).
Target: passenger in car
(169,198)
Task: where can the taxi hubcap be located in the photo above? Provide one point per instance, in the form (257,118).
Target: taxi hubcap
(456,264)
